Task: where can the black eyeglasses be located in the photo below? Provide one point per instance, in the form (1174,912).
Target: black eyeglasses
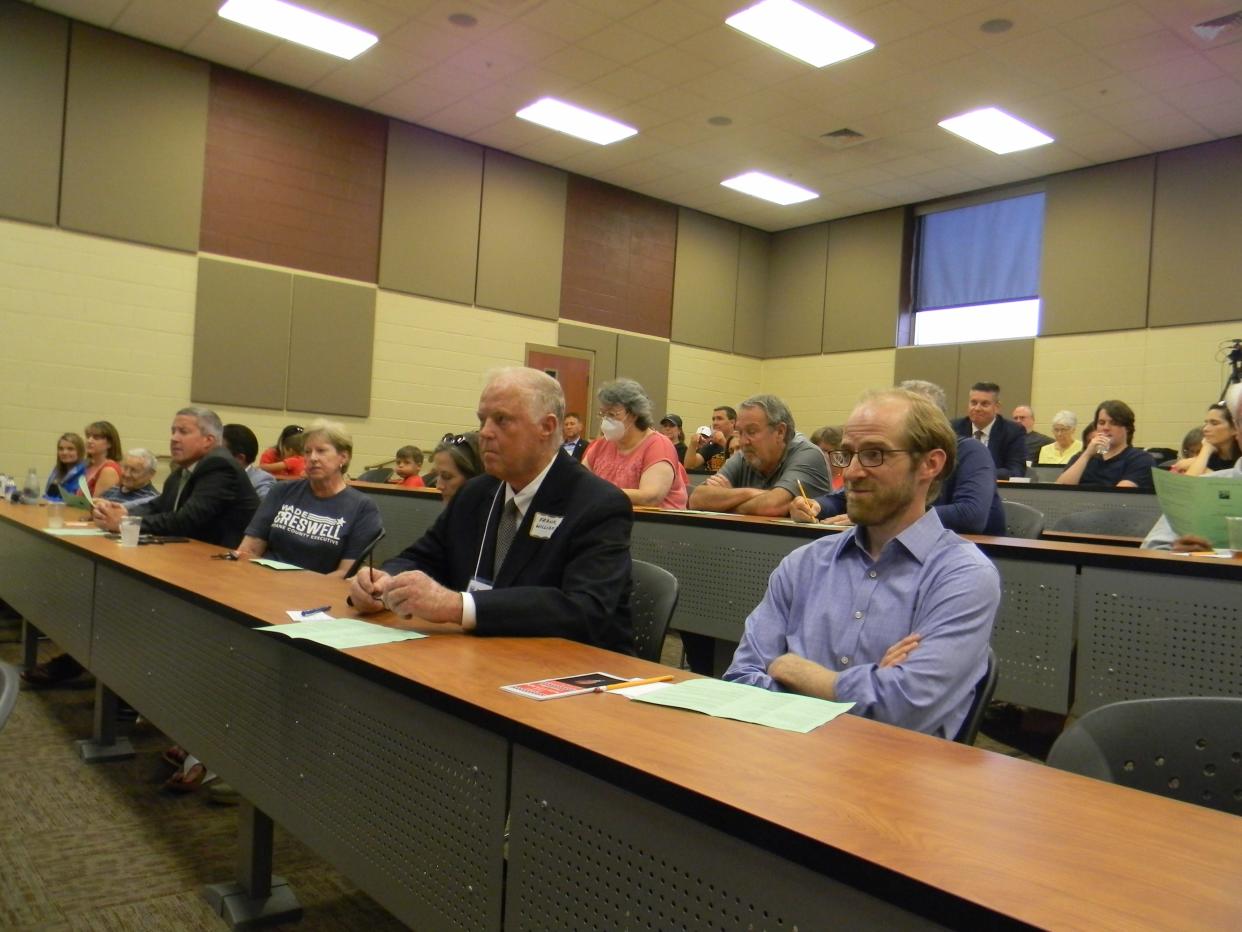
(866,458)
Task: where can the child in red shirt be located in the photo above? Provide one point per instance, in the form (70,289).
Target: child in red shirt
(405,472)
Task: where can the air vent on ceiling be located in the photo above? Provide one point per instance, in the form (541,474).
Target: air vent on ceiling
(843,138)
(1211,29)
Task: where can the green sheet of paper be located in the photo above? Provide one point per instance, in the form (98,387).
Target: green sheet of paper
(76,532)
(1199,504)
(748,704)
(275,564)
(341,633)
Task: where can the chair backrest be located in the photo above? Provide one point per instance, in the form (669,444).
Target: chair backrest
(1162,454)
(376,475)
(1022,520)
(1044,473)
(8,691)
(1187,748)
(983,695)
(651,604)
(1120,521)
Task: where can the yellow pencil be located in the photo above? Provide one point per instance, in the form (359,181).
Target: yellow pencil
(628,683)
(801,489)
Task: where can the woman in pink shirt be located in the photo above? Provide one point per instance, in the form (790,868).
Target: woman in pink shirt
(638,460)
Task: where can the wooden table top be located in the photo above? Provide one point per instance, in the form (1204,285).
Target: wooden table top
(1044,847)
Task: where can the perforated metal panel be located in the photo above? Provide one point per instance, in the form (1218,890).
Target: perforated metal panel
(586,855)
(1034,634)
(723,572)
(1057,503)
(50,585)
(406,800)
(406,518)
(1142,635)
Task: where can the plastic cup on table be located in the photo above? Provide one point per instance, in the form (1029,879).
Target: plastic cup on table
(1234,527)
(56,514)
(131,527)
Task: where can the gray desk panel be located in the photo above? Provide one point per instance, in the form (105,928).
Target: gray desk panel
(1057,503)
(723,570)
(1034,633)
(1142,635)
(50,585)
(407,801)
(585,854)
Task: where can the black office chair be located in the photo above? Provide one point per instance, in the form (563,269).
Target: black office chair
(1120,521)
(1022,520)
(1045,473)
(984,690)
(651,604)
(1187,748)
(1163,454)
(376,475)
(9,680)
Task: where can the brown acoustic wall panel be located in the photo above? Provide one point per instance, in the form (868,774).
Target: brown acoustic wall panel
(33,49)
(292,179)
(705,281)
(331,344)
(432,192)
(135,121)
(1196,263)
(620,254)
(797,271)
(241,335)
(865,271)
(1097,248)
(521,236)
(750,314)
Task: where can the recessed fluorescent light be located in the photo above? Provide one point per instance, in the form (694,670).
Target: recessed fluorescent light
(797,31)
(757,184)
(566,118)
(287,21)
(996,130)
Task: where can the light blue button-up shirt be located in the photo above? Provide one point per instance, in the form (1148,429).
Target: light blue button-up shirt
(831,603)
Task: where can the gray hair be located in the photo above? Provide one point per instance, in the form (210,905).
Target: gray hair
(149,462)
(929,390)
(208,421)
(1065,419)
(775,411)
(544,394)
(630,395)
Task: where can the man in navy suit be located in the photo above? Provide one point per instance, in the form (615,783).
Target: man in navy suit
(573,442)
(1005,440)
(538,546)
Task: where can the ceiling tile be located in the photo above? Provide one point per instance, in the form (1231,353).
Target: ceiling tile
(357,85)
(674,65)
(1110,26)
(565,20)
(578,64)
(670,21)
(170,25)
(410,101)
(628,85)
(96,12)
(1223,119)
(230,44)
(295,65)
(622,43)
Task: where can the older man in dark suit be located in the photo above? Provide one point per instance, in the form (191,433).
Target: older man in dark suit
(1005,440)
(537,546)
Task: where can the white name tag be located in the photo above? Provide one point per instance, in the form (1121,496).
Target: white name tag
(478,585)
(543,525)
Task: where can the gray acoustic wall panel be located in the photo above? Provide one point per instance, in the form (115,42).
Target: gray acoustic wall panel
(241,335)
(645,360)
(796,275)
(33,49)
(865,272)
(705,281)
(432,194)
(937,364)
(1006,362)
(521,236)
(135,138)
(750,313)
(331,344)
(1097,248)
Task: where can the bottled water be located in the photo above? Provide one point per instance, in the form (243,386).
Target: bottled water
(30,491)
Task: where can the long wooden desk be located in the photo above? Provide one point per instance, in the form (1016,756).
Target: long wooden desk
(398,763)
(1079,626)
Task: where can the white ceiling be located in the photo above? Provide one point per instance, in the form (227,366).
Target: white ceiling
(1107,79)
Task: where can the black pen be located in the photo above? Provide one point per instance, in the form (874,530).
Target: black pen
(315,611)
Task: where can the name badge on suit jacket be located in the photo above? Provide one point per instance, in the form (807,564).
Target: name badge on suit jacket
(544,525)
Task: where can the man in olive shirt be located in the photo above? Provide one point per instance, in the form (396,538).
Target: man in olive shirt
(774,460)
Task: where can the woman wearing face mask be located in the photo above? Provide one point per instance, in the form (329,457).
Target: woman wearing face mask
(638,460)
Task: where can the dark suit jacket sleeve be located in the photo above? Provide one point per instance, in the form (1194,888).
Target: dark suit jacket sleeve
(830,504)
(212,494)
(965,509)
(1010,458)
(593,591)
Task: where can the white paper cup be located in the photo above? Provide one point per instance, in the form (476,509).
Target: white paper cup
(131,527)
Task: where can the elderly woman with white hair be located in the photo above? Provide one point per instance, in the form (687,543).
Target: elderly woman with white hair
(1065,443)
(137,471)
(630,454)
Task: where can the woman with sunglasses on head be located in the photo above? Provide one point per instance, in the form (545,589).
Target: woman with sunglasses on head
(285,458)
(70,465)
(455,461)
(1219,449)
(103,445)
